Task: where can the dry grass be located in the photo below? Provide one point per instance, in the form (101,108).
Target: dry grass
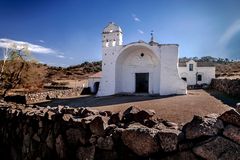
(228,70)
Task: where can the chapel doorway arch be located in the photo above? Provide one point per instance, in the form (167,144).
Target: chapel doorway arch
(137,70)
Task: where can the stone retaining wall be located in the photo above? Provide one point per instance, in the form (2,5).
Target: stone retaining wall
(37,133)
(228,86)
(46,95)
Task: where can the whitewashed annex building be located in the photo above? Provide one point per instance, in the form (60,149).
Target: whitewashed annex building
(197,73)
(138,67)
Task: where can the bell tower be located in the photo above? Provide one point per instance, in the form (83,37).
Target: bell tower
(111,44)
(112,35)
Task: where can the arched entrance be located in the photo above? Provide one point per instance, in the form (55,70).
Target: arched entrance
(137,70)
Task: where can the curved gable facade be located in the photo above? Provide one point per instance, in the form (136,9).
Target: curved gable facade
(138,67)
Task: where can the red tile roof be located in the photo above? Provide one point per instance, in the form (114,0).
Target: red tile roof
(96,75)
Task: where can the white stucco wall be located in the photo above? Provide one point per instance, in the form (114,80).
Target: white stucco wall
(107,83)
(170,81)
(208,73)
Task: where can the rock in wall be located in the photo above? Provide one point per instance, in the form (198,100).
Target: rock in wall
(46,95)
(32,132)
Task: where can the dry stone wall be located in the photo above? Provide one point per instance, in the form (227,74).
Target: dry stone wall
(228,86)
(43,96)
(35,133)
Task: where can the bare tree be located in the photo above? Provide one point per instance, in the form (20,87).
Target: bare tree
(5,57)
(13,65)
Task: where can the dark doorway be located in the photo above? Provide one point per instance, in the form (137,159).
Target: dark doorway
(184,78)
(199,77)
(95,87)
(142,81)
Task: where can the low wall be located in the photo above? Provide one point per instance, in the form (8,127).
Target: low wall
(46,95)
(228,86)
(37,133)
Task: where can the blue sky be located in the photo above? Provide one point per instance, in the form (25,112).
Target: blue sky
(68,32)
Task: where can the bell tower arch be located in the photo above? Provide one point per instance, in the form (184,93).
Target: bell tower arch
(112,35)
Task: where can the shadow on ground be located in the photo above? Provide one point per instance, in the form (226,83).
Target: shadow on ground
(93,101)
(224,98)
(178,109)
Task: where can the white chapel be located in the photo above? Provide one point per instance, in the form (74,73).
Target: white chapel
(138,67)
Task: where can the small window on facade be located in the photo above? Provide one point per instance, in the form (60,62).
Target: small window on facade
(142,54)
(190,67)
(184,78)
(117,34)
(107,40)
(199,77)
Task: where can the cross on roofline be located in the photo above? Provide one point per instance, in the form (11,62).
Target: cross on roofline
(152,35)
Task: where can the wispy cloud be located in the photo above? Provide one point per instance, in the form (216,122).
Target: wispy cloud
(60,56)
(140,31)
(42,41)
(231,31)
(135,18)
(9,43)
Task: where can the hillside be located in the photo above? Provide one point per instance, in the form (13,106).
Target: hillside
(82,71)
(228,70)
(35,76)
(76,72)
(42,74)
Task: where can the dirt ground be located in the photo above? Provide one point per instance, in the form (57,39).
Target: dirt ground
(179,109)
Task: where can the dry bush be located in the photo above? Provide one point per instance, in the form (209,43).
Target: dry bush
(33,77)
(27,75)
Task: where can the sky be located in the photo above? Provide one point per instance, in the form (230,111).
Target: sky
(68,32)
